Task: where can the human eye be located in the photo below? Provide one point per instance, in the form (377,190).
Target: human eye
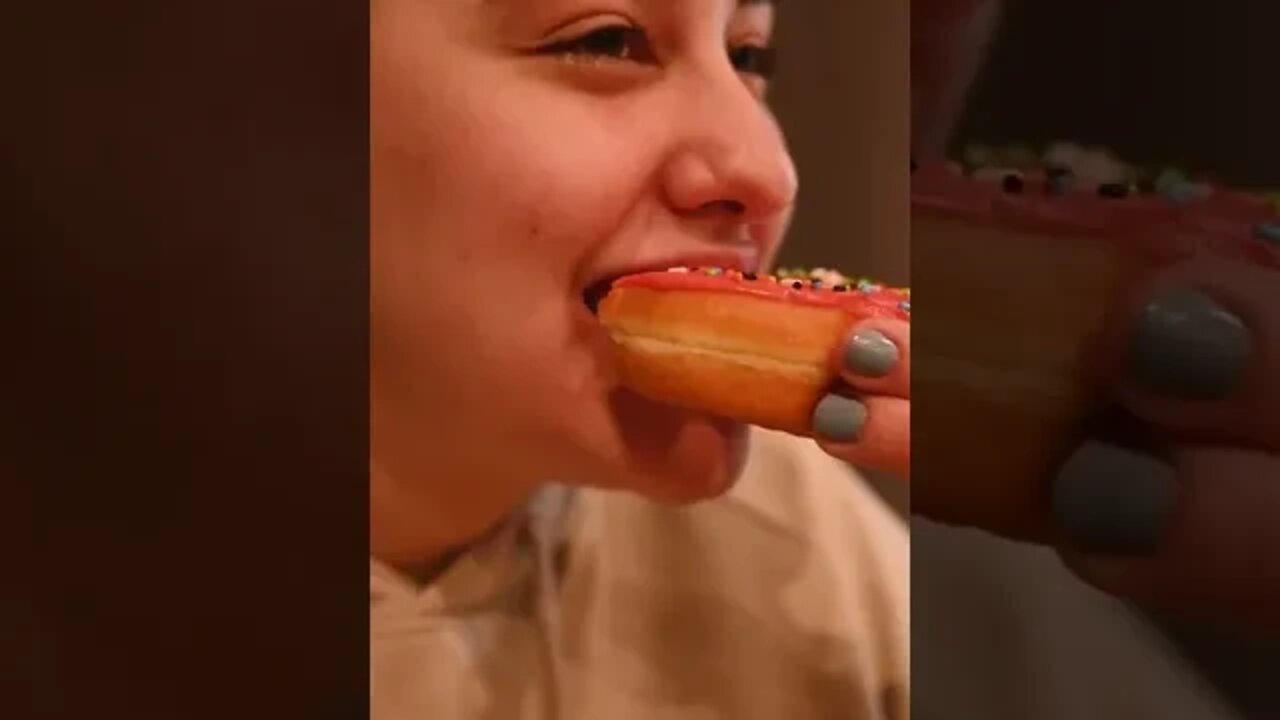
(615,41)
(754,59)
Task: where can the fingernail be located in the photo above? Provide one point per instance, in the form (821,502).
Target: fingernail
(870,354)
(1187,346)
(839,419)
(1113,501)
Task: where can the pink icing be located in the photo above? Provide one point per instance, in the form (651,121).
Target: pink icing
(1223,223)
(871,301)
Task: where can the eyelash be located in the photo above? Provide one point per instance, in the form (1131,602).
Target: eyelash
(617,43)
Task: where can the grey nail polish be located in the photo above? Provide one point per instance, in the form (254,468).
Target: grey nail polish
(1187,346)
(1113,501)
(870,354)
(839,419)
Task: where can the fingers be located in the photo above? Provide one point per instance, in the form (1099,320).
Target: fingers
(876,358)
(1199,354)
(874,430)
(1179,510)
(871,432)
(1195,534)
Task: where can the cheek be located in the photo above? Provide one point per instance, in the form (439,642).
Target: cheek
(539,194)
(487,193)
(530,166)
(484,243)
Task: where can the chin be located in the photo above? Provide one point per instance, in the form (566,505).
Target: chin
(674,456)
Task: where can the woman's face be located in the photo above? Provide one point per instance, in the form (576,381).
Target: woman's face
(520,153)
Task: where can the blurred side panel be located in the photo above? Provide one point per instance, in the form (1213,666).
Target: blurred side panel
(188,215)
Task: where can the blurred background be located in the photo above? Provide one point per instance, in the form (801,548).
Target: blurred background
(842,96)
(1194,85)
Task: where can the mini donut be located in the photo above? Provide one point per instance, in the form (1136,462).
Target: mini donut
(753,348)
(1022,278)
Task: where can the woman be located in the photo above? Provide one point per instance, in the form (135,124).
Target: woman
(519,153)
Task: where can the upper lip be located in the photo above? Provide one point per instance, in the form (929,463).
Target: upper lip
(597,285)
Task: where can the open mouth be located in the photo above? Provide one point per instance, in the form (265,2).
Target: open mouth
(596,292)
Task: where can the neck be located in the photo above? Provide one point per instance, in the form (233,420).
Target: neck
(418,524)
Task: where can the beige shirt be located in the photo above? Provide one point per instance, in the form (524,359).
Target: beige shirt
(787,598)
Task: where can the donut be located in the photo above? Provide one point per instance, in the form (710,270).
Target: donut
(1023,262)
(752,348)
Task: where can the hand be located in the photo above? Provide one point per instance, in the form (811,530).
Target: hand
(868,423)
(1188,521)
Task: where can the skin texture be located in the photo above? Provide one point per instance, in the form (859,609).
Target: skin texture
(503,181)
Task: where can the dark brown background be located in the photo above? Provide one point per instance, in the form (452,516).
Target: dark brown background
(842,97)
(1193,84)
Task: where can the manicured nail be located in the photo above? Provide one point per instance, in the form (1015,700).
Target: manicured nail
(839,419)
(1113,501)
(870,354)
(1187,346)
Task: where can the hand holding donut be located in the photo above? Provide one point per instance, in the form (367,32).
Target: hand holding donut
(811,353)
(870,424)
(1182,510)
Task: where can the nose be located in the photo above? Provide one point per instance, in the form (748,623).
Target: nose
(730,159)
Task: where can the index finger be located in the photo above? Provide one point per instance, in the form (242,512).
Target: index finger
(1198,353)
(876,357)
